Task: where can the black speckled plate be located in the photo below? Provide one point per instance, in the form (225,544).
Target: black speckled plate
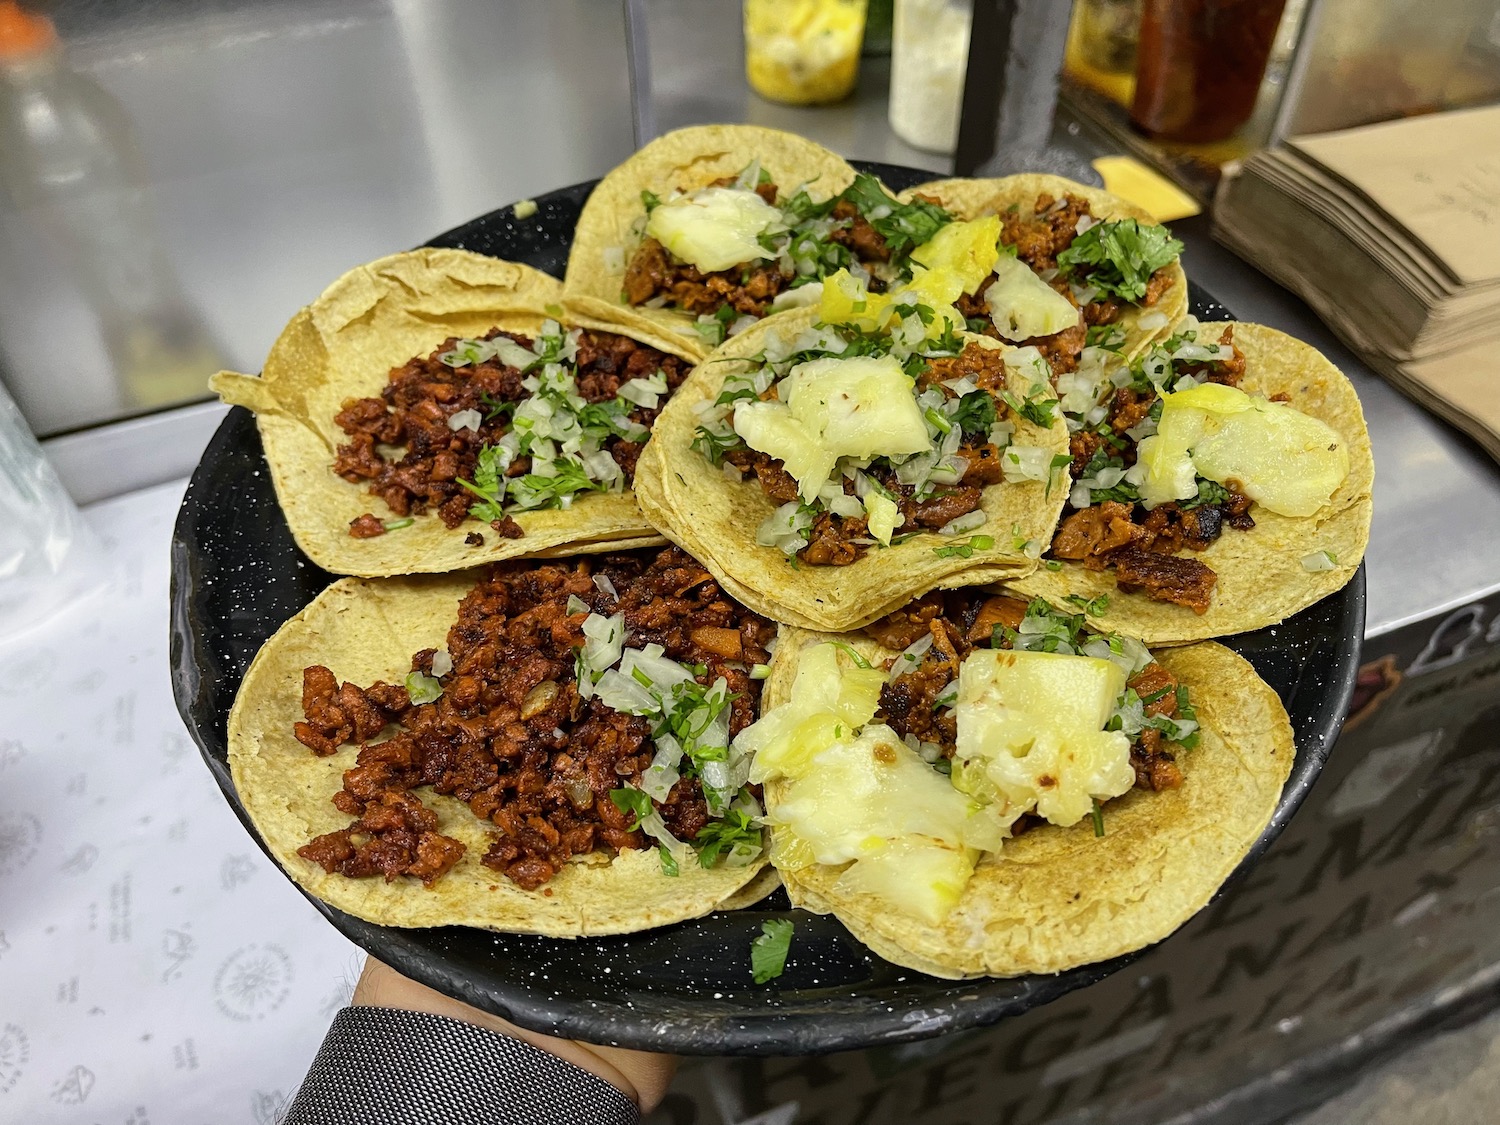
(237,575)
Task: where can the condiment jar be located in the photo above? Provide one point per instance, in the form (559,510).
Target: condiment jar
(929,58)
(803,52)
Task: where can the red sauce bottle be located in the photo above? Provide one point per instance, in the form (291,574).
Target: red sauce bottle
(1199,66)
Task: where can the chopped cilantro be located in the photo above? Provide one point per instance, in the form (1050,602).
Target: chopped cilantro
(632,800)
(768,952)
(1039,409)
(668,861)
(1098,818)
(904,226)
(650,200)
(1119,256)
(1092,606)
(714,328)
(1210,493)
(976,412)
(966,549)
(397,525)
(851,652)
(1111,337)
(719,837)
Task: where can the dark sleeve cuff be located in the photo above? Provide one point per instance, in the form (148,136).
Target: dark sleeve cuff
(415,1068)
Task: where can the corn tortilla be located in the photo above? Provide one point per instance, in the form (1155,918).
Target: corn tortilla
(366,631)
(685,160)
(343,346)
(1261,576)
(715,519)
(973,199)
(1056,898)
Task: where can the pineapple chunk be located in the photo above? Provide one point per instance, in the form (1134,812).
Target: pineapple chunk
(914,875)
(1286,461)
(715,228)
(860,794)
(967,250)
(859,407)
(846,300)
(770,428)
(1022,305)
(1032,721)
(828,703)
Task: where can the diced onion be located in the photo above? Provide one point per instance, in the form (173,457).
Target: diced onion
(464,420)
(614,258)
(1153,320)
(1320,560)
(966,522)
(442,663)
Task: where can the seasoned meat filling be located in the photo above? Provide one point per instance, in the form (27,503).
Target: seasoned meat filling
(958,622)
(511,736)
(404,447)
(654,274)
(1039,237)
(1141,545)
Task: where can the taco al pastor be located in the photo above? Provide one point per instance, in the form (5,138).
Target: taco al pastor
(428,412)
(978,786)
(553,757)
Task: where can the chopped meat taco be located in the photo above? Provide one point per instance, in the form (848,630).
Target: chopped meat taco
(707,229)
(827,472)
(1220,483)
(978,786)
(428,412)
(543,750)
(1072,261)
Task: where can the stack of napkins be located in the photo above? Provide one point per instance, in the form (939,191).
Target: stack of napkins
(1392,233)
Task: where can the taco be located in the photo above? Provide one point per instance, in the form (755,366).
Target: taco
(827,473)
(1221,483)
(1076,262)
(978,786)
(427,412)
(708,229)
(551,758)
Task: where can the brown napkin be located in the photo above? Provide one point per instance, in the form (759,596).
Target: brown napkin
(1392,233)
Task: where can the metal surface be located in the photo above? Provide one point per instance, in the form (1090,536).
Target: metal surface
(237,576)
(283,143)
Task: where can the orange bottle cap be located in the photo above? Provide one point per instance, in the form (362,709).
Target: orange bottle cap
(23,33)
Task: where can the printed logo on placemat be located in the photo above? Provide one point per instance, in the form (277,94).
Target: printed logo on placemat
(19,836)
(15,1052)
(74,1087)
(253,982)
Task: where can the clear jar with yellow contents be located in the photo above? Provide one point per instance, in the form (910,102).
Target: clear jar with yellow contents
(803,52)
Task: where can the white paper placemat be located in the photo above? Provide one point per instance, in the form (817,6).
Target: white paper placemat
(155,967)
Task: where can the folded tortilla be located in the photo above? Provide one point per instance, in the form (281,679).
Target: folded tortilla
(1056,898)
(974,199)
(684,160)
(344,346)
(366,631)
(1262,579)
(715,519)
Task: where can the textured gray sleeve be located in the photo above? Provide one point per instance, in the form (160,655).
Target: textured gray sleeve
(414,1068)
